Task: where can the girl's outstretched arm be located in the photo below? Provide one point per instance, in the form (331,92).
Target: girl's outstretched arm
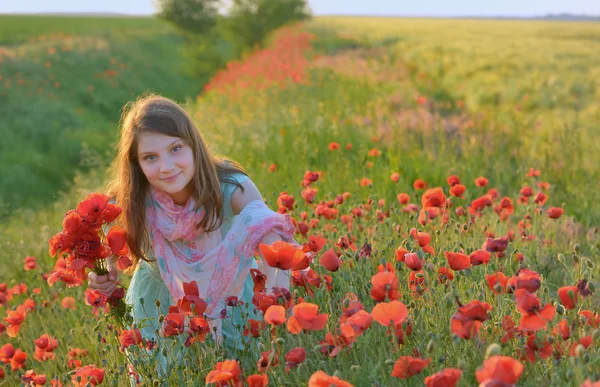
(239,199)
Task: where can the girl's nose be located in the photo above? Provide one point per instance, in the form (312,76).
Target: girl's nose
(166,164)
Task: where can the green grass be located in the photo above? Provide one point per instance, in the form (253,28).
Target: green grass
(63,82)
(367,97)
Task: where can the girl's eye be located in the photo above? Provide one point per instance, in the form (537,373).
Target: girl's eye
(176,148)
(148,157)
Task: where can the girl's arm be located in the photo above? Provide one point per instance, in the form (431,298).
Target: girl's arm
(239,199)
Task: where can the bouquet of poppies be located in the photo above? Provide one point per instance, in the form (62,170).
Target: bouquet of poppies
(83,245)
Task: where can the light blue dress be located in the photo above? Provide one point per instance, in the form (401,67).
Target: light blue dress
(147,286)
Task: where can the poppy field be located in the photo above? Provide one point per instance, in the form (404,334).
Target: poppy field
(443,179)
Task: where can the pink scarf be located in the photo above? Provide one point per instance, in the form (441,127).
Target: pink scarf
(219,267)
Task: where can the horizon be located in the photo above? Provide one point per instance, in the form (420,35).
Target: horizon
(432,16)
(374,8)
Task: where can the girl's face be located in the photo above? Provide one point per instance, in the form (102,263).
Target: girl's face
(168,163)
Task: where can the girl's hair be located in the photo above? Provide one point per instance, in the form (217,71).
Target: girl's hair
(129,186)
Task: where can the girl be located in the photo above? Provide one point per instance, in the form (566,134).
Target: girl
(189,216)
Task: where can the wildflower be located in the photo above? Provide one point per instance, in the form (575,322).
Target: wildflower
(408,366)
(305,317)
(499,370)
(226,373)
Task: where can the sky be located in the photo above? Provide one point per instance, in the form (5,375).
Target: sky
(439,8)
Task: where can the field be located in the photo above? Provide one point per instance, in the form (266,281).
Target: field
(63,82)
(457,182)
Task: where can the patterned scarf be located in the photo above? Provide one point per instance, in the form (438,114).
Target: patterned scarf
(219,267)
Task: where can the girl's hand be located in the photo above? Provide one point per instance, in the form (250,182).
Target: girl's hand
(106,283)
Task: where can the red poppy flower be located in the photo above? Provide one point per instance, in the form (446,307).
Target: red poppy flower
(305,317)
(458,190)
(534,346)
(257,380)
(445,274)
(130,337)
(413,261)
(294,358)
(419,184)
(568,296)
(453,180)
(479,257)
(422,238)
(275,315)
(448,377)
(385,285)
(117,240)
(281,254)
(253,327)
(499,369)
(30,378)
(192,297)
(497,282)
(321,379)
(334,146)
(285,200)
(14,319)
(365,182)
(457,261)
(408,366)
(495,245)
(481,181)
(555,212)
(385,312)
(400,254)
(590,318)
(226,373)
(403,198)
(267,360)
(466,322)
(540,198)
(330,260)
(88,374)
(30,264)
(525,279)
(173,322)
(533,316)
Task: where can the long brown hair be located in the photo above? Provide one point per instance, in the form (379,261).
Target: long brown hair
(128,185)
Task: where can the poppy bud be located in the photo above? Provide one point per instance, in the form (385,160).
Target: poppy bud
(576,258)
(390,361)
(591,287)
(586,358)
(561,258)
(412,305)
(550,339)
(589,263)
(430,346)
(493,350)
(576,248)
(596,335)
(560,309)
(579,350)
(161,318)
(141,300)
(157,302)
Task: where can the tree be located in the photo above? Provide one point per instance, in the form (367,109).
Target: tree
(195,16)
